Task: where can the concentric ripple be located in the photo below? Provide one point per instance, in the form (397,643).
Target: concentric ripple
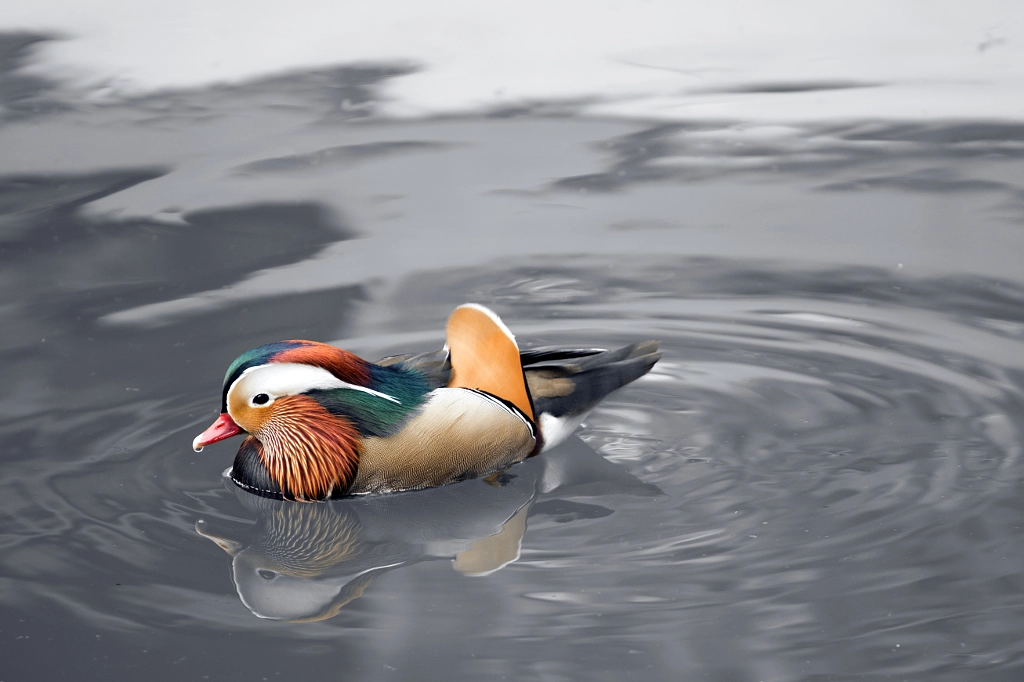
(824,470)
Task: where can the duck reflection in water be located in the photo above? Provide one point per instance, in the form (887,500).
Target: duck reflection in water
(304,562)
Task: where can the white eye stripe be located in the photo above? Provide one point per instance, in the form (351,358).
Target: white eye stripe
(291,378)
(372,392)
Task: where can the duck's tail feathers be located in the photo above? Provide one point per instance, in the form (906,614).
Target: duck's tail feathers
(484,356)
(567,387)
(553,354)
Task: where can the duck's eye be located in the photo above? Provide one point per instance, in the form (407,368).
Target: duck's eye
(260,399)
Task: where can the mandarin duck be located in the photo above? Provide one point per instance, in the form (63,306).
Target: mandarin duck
(323,423)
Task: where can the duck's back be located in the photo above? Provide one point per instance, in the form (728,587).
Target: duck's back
(481,422)
(486,418)
(459,433)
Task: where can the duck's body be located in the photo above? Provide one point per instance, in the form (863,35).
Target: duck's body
(324,423)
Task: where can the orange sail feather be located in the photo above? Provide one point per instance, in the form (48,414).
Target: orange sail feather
(484,355)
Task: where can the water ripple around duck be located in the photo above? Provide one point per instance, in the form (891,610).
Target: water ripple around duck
(821,459)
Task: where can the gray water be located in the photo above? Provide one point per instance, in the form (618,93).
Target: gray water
(821,480)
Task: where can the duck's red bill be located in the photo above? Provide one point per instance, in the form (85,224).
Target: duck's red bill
(224,427)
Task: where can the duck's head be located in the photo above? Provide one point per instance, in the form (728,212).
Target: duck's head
(276,394)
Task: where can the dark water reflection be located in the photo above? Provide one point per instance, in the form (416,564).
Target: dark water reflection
(820,480)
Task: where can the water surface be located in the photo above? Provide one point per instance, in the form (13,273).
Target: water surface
(821,480)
